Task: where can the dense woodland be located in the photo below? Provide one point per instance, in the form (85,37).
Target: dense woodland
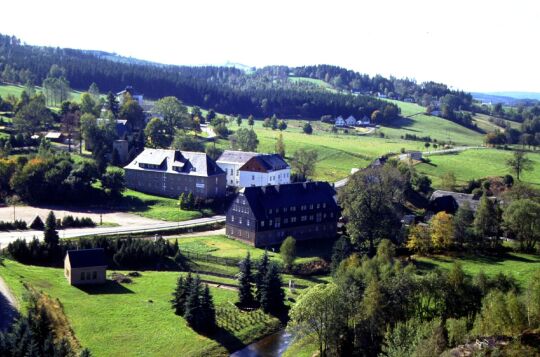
(227,90)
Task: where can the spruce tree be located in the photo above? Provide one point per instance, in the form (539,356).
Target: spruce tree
(183,287)
(262,269)
(190,201)
(50,235)
(245,280)
(208,310)
(272,294)
(193,305)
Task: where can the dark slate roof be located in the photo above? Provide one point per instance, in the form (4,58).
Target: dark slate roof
(176,162)
(450,201)
(265,163)
(84,258)
(261,199)
(235,157)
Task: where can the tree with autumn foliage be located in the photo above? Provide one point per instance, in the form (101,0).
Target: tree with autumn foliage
(442,231)
(419,239)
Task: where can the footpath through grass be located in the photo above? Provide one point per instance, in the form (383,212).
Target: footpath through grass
(136,319)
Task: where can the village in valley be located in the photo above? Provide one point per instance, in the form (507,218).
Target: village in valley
(161,210)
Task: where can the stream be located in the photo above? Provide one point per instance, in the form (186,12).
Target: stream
(270,346)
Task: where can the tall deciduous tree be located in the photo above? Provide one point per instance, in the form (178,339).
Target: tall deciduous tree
(519,162)
(280,146)
(288,251)
(156,134)
(368,201)
(303,163)
(245,139)
(486,221)
(174,113)
(522,218)
(442,231)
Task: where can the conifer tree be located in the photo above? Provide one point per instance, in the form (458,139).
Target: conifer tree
(251,121)
(193,305)
(245,280)
(208,310)
(190,201)
(272,295)
(183,288)
(50,235)
(262,269)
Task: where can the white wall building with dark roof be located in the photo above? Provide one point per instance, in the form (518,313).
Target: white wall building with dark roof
(231,161)
(264,170)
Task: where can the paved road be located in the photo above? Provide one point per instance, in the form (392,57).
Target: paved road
(8,306)
(7,237)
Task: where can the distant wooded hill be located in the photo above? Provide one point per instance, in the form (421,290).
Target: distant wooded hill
(262,92)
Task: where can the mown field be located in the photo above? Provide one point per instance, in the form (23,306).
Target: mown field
(16,90)
(222,246)
(135,319)
(474,164)
(520,266)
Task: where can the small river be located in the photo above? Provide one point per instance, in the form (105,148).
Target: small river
(270,346)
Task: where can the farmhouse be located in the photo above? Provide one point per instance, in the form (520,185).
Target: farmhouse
(264,216)
(350,121)
(121,126)
(231,162)
(412,155)
(85,266)
(339,121)
(55,136)
(450,201)
(129,90)
(266,169)
(172,172)
(365,120)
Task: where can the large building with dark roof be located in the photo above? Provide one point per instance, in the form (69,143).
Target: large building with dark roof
(85,266)
(265,169)
(172,172)
(266,215)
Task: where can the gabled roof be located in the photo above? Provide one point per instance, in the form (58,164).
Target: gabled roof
(261,199)
(265,163)
(235,157)
(84,258)
(176,162)
(451,201)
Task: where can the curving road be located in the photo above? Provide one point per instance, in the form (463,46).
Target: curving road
(151,226)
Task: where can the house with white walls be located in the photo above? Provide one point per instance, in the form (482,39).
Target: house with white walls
(231,161)
(264,170)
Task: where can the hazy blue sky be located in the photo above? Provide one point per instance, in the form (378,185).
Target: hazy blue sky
(471,45)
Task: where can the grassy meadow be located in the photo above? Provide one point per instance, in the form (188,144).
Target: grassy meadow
(16,90)
(520,266)
(136,319)
(474,164)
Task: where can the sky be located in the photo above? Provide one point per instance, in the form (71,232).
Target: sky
(472,45)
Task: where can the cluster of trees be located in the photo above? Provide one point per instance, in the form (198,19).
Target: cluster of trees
(37,334)
(269,294)
(122,253)
(194,302)
(527,135)
(50,176)
(378,305)
(224,89)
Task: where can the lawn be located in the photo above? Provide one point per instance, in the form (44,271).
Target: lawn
(520,266)
(136,319)
(338,153)
(416,122)
(315,82)
(222,246)
(16,90)
(474,164)
(156,207)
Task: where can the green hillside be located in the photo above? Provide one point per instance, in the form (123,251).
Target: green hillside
(16,90)
(474,164)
